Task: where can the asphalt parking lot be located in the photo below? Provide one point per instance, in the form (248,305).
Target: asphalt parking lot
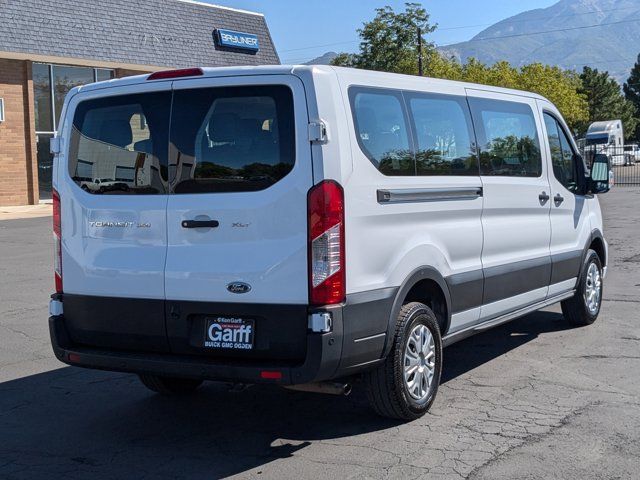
(531,399)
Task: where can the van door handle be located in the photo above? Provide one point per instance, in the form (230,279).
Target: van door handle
(558,199)
(543,197)
(200,223)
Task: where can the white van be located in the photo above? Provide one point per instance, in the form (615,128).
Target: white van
(307,226)
(607,137)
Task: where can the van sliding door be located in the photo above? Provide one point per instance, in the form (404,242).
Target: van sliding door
(517,199)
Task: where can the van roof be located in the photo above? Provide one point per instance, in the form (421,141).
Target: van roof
(373,77)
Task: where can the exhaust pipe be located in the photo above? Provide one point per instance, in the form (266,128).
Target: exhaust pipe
(329,388)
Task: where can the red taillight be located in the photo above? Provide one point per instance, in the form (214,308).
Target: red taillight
(181,72)
(326,243)
(73,357)
(271,375)
(57,239)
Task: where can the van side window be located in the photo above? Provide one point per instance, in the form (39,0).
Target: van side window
(232,139)
(443,132)
(562,155)
(119,144)
(382,130)
(508,138)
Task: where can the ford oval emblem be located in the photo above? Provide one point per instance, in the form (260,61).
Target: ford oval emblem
(238,287)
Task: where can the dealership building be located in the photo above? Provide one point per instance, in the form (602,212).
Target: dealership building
(50,46)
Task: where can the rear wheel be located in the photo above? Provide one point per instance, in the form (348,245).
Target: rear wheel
(583,308)
(405,385)
(169,385)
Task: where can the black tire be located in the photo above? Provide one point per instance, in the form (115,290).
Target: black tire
(169,385)
(386,388)
(575,309)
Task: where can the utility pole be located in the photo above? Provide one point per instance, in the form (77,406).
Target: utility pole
(420,72)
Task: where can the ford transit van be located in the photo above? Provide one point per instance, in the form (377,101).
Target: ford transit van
(308,226)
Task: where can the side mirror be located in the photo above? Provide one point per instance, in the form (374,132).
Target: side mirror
(600,179)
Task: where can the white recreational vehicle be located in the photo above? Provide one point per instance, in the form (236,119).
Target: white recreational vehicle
(607,137)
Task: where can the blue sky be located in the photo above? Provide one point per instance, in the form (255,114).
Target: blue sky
(305,29)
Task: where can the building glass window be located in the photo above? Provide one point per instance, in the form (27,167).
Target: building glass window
(45,165)
(42,97)
(103,74)
(66,78)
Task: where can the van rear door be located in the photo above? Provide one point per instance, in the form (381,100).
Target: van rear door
(239,173)
(113,189)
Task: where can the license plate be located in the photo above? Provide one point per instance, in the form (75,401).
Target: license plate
(230,333)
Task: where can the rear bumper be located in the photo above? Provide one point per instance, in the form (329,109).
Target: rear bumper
(157,337)
(321,362)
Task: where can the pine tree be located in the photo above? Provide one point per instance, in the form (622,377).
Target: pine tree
(606,101)
(632,93)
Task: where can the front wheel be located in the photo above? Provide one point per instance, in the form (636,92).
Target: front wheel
(405,385)
(169,385)
(583,308)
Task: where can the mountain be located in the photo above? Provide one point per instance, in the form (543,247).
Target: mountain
(570,40)
(324,59)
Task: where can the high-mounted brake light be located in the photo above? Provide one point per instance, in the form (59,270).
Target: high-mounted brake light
(181,72)
(57,241)
(325,203)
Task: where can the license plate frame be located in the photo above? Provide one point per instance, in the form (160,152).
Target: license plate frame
(229,333)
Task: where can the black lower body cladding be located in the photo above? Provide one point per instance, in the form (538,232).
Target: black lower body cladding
(167,337)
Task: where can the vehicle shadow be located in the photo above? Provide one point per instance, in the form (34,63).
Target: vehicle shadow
(468,354)
(87,424)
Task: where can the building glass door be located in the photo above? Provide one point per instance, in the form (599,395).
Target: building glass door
(51,83)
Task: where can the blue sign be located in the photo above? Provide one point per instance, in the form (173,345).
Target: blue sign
(238,40)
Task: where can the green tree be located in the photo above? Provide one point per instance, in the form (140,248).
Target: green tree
(561,87)
(605,101)
(389,42)
(475,71)
(632,93)
(437,66)
(503,74)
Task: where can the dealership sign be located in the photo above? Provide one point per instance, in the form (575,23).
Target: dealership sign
(237,40)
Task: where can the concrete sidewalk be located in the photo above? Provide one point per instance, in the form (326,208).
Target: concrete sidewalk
(26,211)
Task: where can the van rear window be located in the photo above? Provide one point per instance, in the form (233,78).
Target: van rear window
(119,144)
(205,140)
(233,139)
